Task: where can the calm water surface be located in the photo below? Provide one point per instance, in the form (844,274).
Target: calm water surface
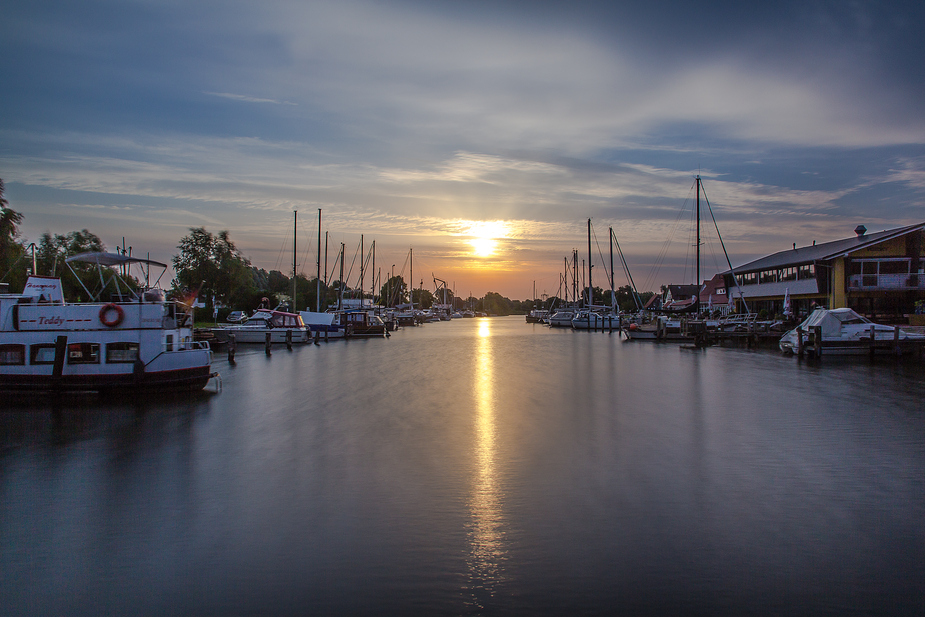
(481,466)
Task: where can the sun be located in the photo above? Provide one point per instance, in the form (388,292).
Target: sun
(485,236)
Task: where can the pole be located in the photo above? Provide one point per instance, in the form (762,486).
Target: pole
(295,229)
(318,264)
(697,281)
(340,299)
(590,266)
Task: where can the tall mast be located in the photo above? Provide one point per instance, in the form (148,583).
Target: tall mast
(697,280)
(613,295)
(362,278)
(590,266)
(411,281)
(340,303)
(318,264)
(295,227)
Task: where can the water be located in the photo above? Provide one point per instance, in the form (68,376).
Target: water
(481,466)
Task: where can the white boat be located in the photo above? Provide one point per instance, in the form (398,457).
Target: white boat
(844,332)
(265,321)
(592,320)
(325,324)
(137,342)
(562,318)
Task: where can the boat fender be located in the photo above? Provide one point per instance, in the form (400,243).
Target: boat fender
(104,315)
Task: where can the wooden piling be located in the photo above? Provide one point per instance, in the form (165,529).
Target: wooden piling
(267,343)
(232,347)
(289,339)
(800,341)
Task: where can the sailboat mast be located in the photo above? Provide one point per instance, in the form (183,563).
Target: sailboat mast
(362,278)
(411,281)
(697,280)
(590,266)
(295,228)
(340,303)
(613,295)
(318,265)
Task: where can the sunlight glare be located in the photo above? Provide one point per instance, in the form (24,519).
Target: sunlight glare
(485,236)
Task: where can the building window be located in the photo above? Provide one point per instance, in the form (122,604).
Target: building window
(83,353)
(42,354)
(12,355)
(117,353)
(788,274)
(806,272)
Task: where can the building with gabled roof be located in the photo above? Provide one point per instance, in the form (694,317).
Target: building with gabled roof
(874,274)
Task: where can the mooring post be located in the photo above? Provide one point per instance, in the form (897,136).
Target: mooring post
(267,343)
(289,339)
(317,336)
(800,341)
(817,340)
(232,347)
(896,349)
(873,340)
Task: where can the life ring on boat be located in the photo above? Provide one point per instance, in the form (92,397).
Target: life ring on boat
(104,312)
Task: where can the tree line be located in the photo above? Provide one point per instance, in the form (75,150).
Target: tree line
(210,268)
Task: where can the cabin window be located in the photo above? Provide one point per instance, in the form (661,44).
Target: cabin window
(12,355)
(42,354)
(83,353)
(169,342)
(117,353)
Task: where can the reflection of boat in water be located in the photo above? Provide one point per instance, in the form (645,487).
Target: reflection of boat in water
(139,341)
(265,321)
(844,332)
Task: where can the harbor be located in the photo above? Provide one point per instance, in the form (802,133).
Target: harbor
(485,466)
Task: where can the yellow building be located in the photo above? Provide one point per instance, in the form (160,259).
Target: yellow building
(880,275)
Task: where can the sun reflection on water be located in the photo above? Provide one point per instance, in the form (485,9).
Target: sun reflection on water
(486,535)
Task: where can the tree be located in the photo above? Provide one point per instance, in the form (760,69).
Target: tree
(393,292)
(10,247)
(211,266)
(423,299)
(53,250)
(496,304)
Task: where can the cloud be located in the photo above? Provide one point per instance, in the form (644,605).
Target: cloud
(247,99)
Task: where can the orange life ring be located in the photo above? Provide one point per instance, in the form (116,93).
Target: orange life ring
(112,323)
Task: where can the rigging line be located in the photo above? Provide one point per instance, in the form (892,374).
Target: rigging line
(284,246)
(353,263)
(599,252)
(735,279)
(660,258)
(307,253)
(626,270)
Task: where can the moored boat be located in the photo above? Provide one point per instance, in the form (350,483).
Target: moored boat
(280,325)
(844,332)
(137,342)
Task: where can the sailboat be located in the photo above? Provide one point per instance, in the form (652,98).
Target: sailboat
(668,325)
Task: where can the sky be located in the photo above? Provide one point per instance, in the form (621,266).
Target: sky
(482,135)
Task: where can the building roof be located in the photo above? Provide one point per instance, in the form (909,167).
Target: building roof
(825,251)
